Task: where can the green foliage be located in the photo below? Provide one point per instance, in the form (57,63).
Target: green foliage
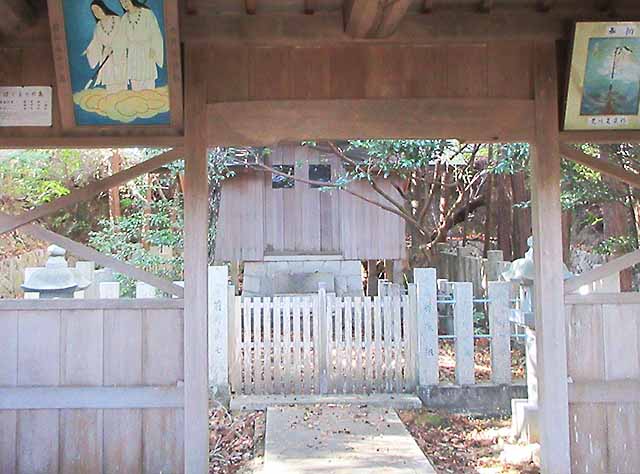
(34,177)
(129,237)
(617,245)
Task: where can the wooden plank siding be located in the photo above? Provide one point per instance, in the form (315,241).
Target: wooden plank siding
(256,220)
(364,71)
(93,389)
(603,343)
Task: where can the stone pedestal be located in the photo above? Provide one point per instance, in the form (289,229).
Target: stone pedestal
(289,275)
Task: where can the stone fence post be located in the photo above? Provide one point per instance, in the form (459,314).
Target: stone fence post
(219,333)
(427,321)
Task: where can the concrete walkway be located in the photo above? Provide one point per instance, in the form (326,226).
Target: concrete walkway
(330,439)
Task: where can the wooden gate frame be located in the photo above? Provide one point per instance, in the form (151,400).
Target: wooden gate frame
(534,121)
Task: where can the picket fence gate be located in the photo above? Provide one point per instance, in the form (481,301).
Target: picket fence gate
(321,343)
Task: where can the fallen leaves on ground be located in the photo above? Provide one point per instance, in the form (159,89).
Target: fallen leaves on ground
(234,439)
(462,444)
(482,356)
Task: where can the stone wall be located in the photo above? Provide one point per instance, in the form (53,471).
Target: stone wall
(298,275)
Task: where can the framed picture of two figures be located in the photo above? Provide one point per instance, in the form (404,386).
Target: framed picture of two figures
(117,62)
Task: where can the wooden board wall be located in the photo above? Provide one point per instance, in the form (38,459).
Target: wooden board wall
(478,70)
(603,343)
(256,220)
(75,351)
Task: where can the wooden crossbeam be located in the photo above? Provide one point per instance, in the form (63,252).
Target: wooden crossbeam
(373,19)
(82,251)
(603,271)
(9,223)
(604,167)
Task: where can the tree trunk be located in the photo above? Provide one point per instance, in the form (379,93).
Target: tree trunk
(567,222)
(503,216)
(615,215)
(521,215)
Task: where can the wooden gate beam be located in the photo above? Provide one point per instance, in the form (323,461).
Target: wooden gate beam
(603,271)
(119,266)
(9,223)
(196,226)
(604,167)
(548,290)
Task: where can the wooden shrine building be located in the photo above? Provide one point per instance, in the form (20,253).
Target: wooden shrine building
(258,73)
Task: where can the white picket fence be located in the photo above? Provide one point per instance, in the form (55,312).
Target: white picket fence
(323,344)
(319,344)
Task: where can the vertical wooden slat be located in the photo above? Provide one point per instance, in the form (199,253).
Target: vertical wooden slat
(81,364)
(358,367)
(122,441)
(340,353)
(277,345)
(8,348)
(38,441)
(161,451)
(549,294)
(377,329)
(122,366)
(81,347)
(267,305)
(307,353)
(247,354)
(81,441)
(297,345)
(368,344)
(8,378)
(589,451)
(258,356)
(500,330)
(196,219)
(621,344)
(387,332)
(623,421)
(328,340)
(348,346)
(8,447)
(286,346)
(463,323)
(162,364)
(397,342)
(236,341)
(319,353)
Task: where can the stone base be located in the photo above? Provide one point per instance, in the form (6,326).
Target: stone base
(301,275)
(473,399)
(524,421)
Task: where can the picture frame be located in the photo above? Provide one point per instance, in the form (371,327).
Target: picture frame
(117,64)
(603,91)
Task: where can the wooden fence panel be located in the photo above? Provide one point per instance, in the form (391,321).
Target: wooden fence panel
(367,348)
(603,341)
(92,386)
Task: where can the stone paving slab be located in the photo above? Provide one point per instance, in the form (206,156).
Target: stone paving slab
(330,439)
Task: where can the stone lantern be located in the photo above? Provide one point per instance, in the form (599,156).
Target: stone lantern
(525,411)
(56,279)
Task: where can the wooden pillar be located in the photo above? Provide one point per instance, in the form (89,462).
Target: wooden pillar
(196,218)
(549,286)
